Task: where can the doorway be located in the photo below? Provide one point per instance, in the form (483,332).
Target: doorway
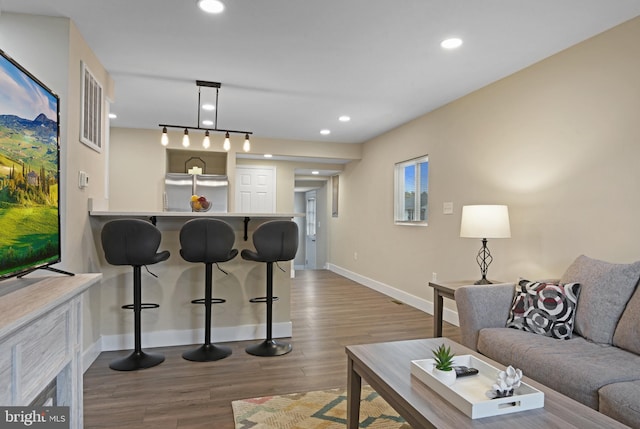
(312,228)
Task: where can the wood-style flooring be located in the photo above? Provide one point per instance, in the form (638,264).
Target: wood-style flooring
(328,313)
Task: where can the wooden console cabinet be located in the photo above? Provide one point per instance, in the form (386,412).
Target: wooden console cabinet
(41,340)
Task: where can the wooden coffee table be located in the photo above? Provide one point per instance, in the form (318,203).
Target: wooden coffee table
(387,368)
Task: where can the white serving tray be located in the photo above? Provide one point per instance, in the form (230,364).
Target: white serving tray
(468,393)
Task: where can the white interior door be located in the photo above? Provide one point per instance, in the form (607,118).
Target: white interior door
(255,189)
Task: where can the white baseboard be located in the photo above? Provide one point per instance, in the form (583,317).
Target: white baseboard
(195,336)
(400,295)
(90,354)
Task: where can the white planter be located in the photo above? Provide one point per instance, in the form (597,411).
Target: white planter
(446,377)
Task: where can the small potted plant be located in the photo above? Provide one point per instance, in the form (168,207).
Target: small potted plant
(443,370)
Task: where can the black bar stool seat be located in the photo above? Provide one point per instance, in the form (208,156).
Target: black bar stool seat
(134,242)
(275,241)
(209,241)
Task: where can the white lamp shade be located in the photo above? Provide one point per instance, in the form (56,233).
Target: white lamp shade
(485,221)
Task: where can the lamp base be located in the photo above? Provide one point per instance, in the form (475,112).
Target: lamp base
(483,282)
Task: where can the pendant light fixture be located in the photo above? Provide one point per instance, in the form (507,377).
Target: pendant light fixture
(206,142)
(185,138)
(247,144)
(227,143)
(165,138)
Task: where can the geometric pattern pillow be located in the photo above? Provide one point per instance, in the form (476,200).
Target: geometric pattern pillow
(544,308)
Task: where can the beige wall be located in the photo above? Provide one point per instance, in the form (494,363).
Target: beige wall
(558,143)
(138,164)
(52,48)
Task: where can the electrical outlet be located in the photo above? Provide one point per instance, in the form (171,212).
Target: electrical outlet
(355,256)
(434,277)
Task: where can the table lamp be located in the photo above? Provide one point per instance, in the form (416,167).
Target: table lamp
(485,221)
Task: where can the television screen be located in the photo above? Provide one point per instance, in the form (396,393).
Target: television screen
(29,171)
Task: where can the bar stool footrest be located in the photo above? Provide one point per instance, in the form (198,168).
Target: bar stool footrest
(144,306)
(263,299)
(204,301)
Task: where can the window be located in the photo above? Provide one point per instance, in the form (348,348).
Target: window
(411,191)
(91,120)
(311,216)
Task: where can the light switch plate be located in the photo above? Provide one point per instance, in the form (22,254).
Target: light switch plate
(83,179)
(447,208)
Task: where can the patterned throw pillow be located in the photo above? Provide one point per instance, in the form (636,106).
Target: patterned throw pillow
(544,308)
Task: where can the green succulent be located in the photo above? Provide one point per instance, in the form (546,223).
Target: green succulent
(444,358)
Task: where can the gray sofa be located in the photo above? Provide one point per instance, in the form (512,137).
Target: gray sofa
(599,366)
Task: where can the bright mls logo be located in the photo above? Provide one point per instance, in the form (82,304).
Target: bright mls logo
(34,417)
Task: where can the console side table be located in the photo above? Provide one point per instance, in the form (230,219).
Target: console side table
(445,290)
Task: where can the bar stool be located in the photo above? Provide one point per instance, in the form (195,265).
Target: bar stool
(134,242)
(209,241)
(275,241)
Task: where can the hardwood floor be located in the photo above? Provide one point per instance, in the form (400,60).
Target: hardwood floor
(328,313)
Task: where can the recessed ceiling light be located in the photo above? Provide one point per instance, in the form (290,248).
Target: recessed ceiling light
(112,116)
(452,43)
(211,6)
(325,132)
(344,118)
(208,106)
(268,155)
(315,172)
(207,122)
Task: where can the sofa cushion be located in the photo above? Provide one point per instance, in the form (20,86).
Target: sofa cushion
(605,290)
(620,402)
(626,335)
(544,308)
(576,368)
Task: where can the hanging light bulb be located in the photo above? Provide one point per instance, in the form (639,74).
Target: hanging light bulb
(206,142)
(165,138)
(185,138)
(247,144)
(227,143)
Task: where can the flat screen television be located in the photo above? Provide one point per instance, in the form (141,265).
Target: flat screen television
(29,172)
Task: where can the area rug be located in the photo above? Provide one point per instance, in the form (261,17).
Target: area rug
(326,409)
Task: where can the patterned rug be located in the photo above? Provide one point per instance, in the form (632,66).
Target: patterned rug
(325,409)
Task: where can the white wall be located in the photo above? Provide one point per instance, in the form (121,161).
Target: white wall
(557,142)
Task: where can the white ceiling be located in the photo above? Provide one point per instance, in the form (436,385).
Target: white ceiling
(289,68)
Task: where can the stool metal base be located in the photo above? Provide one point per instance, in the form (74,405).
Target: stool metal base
(207,353)
(269,348)
(137,360)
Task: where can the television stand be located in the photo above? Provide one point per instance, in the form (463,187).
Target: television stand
(46,267)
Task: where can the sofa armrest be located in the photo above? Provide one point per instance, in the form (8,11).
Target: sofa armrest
(482,306)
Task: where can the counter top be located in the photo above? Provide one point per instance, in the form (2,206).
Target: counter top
(194,214)
(29,298)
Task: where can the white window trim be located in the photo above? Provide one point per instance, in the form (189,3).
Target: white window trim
(398,193)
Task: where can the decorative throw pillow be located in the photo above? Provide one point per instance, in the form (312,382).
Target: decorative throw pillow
(605,290)
(544,308)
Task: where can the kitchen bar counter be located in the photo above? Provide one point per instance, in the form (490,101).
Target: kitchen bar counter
(154,216)
(177,321)
(115,214)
